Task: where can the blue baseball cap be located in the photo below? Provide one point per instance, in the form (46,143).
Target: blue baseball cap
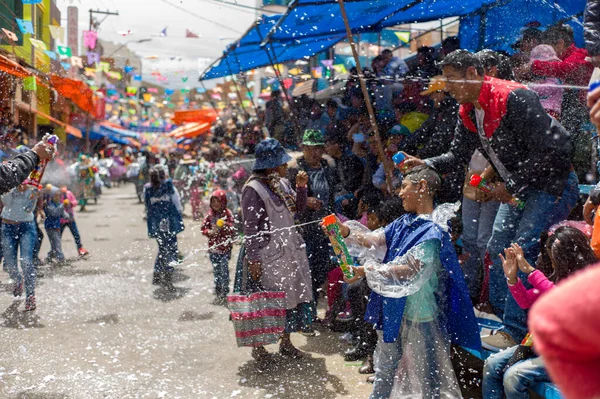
(269,153)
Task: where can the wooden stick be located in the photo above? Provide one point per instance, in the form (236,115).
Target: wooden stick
(363,85)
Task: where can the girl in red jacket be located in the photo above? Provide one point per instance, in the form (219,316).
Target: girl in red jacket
(218,227)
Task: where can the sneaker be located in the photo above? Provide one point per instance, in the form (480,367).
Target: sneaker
(30,303)
(83,252)
(18,289)
(498,341)
(346,337)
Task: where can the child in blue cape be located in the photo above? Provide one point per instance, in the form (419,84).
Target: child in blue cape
(420,303)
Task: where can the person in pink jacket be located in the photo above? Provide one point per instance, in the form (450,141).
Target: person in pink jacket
(567,330)
(70,203)
(510,373)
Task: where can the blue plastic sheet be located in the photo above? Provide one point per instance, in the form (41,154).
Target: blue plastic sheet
(247,53)
(312,26)
(307,18)
(503,23)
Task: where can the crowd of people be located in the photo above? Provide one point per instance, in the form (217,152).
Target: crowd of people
(427,266)
(433,252)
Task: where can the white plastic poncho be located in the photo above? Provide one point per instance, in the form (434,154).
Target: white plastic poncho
(425,369)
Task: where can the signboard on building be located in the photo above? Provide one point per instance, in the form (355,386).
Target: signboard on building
(72,29)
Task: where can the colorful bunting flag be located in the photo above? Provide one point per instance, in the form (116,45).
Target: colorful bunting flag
(287,83)
(185,91)
(10,35)
(24,26)
(168,92)
(64,51)
(128,69)
(93,58)
(77,62)
(66,66)
(163,33)
(103,66)
(403,36)
(327,63)
(38,44)
(147,97)
(51,54)
(295,71)
(115,75)
(89,39)
(90,72)
(185,79)
(246,103)
(189,33)
(137,78)
(340,68)
(152,90)
(132,90)
(29,83)
(317,72)
(57,32)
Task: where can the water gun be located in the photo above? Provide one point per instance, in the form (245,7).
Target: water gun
(35,177)
(480,183)
(399,159)
(339,246)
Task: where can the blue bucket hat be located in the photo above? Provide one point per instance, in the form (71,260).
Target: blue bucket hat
(269,153)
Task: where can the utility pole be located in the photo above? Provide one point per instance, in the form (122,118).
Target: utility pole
(97,24)
(94,25)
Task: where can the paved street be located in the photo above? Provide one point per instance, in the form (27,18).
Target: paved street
(101,330)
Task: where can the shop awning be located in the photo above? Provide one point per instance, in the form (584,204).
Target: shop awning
(76,91)
(190,130)
(11,67)
(72,130)
(194,115)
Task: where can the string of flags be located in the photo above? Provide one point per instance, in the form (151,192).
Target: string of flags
(25,26)
(90,38)
(57,32)
(10,35)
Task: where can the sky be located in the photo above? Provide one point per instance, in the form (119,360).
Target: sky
(177,57)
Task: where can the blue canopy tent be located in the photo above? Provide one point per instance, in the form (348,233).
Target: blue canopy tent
(245,58)
(312,26)
(305,18)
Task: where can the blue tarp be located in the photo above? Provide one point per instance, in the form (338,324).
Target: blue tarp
(119,136)
(247,53)
(307,18)
(312,26)
(503,22)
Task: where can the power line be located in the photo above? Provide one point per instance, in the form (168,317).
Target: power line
(245,6)
(201,17)
(233,6)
